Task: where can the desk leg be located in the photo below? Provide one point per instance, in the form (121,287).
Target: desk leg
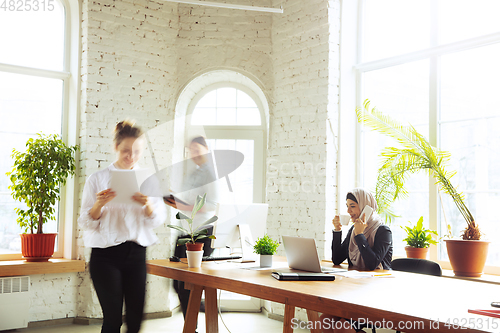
(287,321)
(193,309)
(211,319)
(313,316)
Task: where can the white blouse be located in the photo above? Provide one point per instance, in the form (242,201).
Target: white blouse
(119,222)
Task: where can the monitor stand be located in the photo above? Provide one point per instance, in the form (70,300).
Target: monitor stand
(247,243)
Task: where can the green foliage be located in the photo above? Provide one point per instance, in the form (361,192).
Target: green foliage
(37,176)
(198,233)
(418,236)
(415,154)
(265,246)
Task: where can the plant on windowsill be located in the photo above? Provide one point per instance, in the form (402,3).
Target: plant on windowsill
(417,154)
(36,180)
(194,250)
(418,240)
(266,247)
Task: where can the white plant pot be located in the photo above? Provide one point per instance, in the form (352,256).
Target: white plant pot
(266,260)
(194,258)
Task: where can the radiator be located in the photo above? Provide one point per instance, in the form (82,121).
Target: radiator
(14,302)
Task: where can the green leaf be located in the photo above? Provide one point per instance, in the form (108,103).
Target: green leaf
(181,216)
(414,154)
(181,229)
(182,241)
(36,178)
(210,220)
(200,201)
(265,246)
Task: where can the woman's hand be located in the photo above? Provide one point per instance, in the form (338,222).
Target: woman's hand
(336,223)
(102,198)
(359,225)
(143,200)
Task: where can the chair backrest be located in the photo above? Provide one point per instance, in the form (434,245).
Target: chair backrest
(421,266)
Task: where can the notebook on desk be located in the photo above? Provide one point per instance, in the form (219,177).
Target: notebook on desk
(301,254)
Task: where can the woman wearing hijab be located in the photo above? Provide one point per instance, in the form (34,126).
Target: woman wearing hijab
(367,246)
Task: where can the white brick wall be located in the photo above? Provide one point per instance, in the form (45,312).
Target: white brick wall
(302,155)
(300,189)
(137,55)
(217,38)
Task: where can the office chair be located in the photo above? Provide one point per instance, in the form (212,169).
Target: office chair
(421,266)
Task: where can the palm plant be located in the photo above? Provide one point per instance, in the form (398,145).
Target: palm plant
(415,154)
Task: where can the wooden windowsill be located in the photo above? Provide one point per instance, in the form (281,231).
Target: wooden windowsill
(485,278)
(21,267)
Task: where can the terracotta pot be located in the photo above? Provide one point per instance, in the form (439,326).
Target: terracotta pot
(467,257)
(37,247)
(416,252)
(194,247)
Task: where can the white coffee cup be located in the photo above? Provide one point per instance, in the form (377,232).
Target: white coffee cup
(345,219)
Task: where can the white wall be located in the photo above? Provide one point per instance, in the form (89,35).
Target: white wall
(137,55)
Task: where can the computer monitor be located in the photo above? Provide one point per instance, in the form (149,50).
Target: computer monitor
(238,226)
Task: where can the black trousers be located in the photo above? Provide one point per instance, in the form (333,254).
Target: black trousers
(118,273)
(180,251)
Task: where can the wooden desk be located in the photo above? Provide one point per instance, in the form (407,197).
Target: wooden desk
(427,303)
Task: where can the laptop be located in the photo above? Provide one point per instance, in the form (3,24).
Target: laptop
(301,254)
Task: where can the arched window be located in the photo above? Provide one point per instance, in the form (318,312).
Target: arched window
(233,118)
(34,89)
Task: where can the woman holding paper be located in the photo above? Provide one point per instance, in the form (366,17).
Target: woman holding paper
(367,246)
(118,235)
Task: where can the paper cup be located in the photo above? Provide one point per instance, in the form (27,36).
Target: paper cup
(344,219)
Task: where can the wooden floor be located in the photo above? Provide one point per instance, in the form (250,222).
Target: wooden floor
(252,322)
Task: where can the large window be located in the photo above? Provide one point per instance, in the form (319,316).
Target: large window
(33,92)
(433,64)
(232,117)
(232,120)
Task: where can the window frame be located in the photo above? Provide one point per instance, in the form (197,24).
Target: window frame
(258,133)
(69,76)
(433,54)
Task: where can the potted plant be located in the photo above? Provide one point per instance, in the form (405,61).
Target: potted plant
(417,154)
(36,179)
(418,240)
(194,251)
(266,247)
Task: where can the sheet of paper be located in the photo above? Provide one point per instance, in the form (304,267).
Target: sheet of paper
(126,183)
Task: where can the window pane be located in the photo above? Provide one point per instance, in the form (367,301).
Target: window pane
(227,107)
(204,116)
(33,38)
(242,178)
(470,118)
(208,101)
(244,101)
(248,116)
(459,20)
(27,105)
(394,27)
(402,93)
(226,98)
(226,116)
